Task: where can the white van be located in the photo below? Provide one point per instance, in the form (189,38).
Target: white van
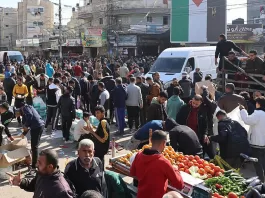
(11,56)
(173,61)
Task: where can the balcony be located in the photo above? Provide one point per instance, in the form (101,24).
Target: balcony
(128,11)
(85,12)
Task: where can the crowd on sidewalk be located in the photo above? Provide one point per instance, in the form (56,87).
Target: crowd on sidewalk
(113,90)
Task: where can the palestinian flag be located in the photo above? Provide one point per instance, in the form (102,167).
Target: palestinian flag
(197,21)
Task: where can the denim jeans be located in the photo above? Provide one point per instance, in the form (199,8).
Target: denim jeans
(259,153)
(35,141)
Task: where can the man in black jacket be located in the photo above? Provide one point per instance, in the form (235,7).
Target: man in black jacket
(86,172)
(7,116)
(157,110)
(194,116)
(223,47)
(232,139)
(66,107)
(186,86)
(49,182)
(84,84)
(183,138)
(9,84)
(144,90)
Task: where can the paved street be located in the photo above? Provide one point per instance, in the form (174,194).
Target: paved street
(65,154)
(69,153)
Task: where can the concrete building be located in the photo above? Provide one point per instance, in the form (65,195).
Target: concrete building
(8,28)
(132,27)
(255,11)
(35,18)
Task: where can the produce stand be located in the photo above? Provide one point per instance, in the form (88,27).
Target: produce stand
(193,187)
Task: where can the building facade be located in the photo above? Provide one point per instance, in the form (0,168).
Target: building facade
(35,18)
(8,28)
(130,27)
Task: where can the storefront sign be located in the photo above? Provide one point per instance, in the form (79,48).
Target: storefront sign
(73,42)
(127,40)
(93,32)
(91,41)
(27,42)
(245,33)
(149,29)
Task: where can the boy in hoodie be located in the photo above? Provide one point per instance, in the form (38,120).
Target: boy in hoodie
(153,171)
(157,110)
(53,95)
(174,103)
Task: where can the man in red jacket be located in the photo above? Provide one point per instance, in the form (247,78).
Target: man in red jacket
(153,171)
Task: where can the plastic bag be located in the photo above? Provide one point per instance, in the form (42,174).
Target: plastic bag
(194,173)
(235,115)
(38,102)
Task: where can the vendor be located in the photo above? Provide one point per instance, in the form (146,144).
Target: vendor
(183,138)
(153,171)
(7,116)
(141,136)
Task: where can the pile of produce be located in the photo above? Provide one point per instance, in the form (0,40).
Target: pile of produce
(190,164)
(229,182)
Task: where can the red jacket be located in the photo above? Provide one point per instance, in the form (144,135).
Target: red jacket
(153,171)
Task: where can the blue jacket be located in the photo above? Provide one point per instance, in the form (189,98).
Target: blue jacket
(174,104)
(49,70)
(31,117)
(119,96)
(143,132)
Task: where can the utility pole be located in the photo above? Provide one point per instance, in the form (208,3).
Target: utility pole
(11,41)
(60,30)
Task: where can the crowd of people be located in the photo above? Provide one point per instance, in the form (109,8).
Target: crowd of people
(113,91)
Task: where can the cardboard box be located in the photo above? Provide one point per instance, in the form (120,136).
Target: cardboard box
(13,153)
(208,84)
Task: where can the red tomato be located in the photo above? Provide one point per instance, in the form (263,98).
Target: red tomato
(182,169)
(232,195)
(194,161)
(200,161)
(211,165)
(197,157)
(201,171)
(187,171)
(218,186)
(181,165)
(218,174)
(217,169)
(190,164)
(216,195)
(211,172)
(207,169)
(209,176)
(222,170)
(201,166)
(196,164)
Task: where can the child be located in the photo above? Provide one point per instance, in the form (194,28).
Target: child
(81,128)
(100,137)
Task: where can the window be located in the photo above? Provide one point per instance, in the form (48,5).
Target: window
(149,19)
(7,25)
(190,65)
(6,13)
(7,36)
(169,65)
(101,21)
(165,20)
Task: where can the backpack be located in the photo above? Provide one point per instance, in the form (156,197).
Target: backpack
(71,185)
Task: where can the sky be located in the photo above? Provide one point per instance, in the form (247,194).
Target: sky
(236,9)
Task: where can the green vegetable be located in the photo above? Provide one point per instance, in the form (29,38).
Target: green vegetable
(233,183)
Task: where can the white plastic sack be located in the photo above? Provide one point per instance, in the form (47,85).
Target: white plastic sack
(38,102)
(235,115)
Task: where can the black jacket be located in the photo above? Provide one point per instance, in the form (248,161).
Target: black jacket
(197,77)
(182,118)
(156,111)
(77,88)
(230,67)
(83,179)
(84,85)
(225,46)
(232,139)
(52,186)
(186,85)
(9,84)
(6,118)
(144,90)
(66,106)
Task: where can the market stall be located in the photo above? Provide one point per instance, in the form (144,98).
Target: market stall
(201,178)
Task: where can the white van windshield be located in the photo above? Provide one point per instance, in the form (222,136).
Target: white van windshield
(170,65)
(15,57)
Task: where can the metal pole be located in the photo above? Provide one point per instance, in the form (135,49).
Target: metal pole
(223,73)
(60,30)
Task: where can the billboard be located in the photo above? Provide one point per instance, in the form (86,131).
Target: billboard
(197,21)
(127,40)
(92,37)
(148,29)
(245,33)
(73,42)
